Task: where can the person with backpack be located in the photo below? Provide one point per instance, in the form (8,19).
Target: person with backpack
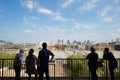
(31,61)
(112,61)
(17,64)
(43,58)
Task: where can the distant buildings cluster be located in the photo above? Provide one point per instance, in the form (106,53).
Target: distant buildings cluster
(113,45)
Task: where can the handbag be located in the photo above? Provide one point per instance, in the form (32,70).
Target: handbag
(100,64)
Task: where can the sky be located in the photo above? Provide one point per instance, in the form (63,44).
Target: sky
(48,20)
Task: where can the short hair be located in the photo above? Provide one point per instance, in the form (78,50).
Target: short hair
(106,50)
(44,45)
(92,49)
(21,50)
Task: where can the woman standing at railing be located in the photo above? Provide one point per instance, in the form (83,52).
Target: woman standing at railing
(30,64)
(93,63)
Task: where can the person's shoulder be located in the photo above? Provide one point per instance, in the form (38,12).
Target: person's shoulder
(89,54)
(33,55)
(48,50)
(40,50)
(96,53)
(17,54)
(110,52)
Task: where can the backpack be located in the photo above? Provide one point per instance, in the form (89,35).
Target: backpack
(100,64)
(115,64)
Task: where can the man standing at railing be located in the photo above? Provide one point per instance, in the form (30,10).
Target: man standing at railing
(17,64)
(112,61)
(43,58)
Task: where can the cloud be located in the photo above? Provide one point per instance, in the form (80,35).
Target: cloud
(109,13)
(40,30)
(25,20)
(77,26)
(118,30)
(106,10)
(29,31)
(34,18)
(118,10)
(114,35)
(107,19)
(116,1)
(75,37)
(30,20)
(67,3)
(88,26)
(28,4)
(86,36)
(88,6)
(59,18)
(45,11)
(84,26)
(57,29)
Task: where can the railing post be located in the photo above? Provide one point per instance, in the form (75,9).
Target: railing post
(89,74)
(71,68)
(54,70)
(2,67)
(106,70)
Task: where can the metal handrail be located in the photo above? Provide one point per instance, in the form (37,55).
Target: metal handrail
(70,69)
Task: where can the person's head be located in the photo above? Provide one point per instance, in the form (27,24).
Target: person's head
(106,50)
(44,45)
(31,51)
(21,51)
(92,49)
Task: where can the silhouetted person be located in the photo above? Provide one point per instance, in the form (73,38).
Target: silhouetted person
(43,58)
(112,62)
(17,64)
(93,63)
(31,61)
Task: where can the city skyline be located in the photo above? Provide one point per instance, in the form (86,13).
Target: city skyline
(48,20)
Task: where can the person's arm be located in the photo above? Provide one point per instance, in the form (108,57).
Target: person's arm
(39,56)
(104,57)
(87,56)
(26,60)
(14,61)
(20,57)
(36,59)
(52,56)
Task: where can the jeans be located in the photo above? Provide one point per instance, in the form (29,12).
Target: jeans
(17,73)
(42,71)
